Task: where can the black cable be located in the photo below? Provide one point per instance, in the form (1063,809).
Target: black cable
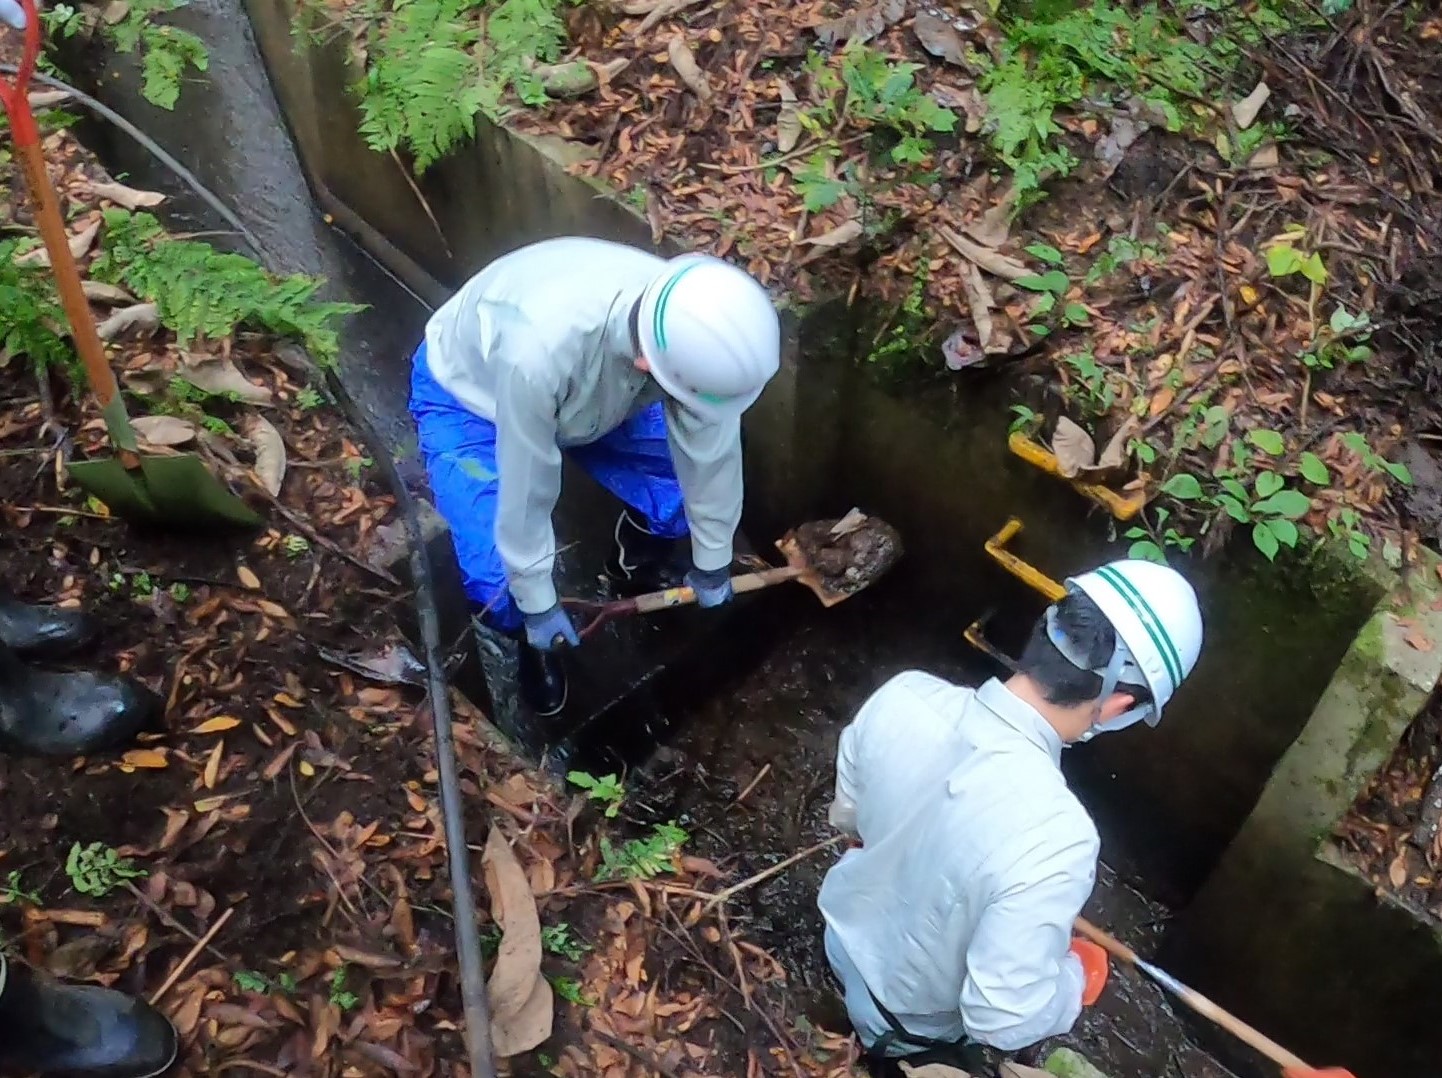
(468,942)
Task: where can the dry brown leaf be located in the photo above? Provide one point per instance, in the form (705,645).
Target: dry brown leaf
(932,1070)
(247,577)
(788,120)
(1073,448)
(521,1031)
(1018,1070)
(128,197)
(940,38)
(152,758)
(839,236)
(682,59)
(143,316)
(993,228)
(994,262)
(513,907)
(212,765)
(862,24)
(100,292)
(164,429)
(662,11)
(1245,111)
(218,725)
(1397,870)
(979,301)
(79,244)
(1418,640)
(215,374)
(270,460)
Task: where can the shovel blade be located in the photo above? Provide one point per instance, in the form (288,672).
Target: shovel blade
(178,490)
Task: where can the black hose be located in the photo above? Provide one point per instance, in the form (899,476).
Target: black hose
(468,942)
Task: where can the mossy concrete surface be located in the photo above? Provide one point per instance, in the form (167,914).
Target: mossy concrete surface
(1326,967)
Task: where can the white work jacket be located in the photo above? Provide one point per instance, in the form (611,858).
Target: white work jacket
(957,910)
(539,342)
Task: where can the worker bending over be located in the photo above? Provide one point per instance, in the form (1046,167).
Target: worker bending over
(639,369)
(951,923)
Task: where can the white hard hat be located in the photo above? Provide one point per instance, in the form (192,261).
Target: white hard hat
(1155,614)
(710,335)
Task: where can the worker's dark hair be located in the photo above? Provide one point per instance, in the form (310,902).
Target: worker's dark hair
(635,322)
(1062,683)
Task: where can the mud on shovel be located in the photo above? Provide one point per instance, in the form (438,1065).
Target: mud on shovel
(175,489)
(835,559)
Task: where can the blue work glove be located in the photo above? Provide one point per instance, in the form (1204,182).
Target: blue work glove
(712,586)
(549,629)
(12,14)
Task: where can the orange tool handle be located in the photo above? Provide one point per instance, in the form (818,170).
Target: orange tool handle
(26,137)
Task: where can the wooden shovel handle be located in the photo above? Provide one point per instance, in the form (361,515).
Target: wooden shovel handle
(599,614)
(1248,1035)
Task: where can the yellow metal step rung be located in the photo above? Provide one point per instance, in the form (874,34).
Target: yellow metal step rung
(1027,574)
(1121,506)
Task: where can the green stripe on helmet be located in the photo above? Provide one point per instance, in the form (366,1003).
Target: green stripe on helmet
(1150,622)
(658,317)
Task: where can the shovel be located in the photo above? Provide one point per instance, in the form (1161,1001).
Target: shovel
(174,489)
(1249,1036)
(833,558)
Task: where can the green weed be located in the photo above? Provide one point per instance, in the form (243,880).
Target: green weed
(641,859)
(607,789)
(98,869)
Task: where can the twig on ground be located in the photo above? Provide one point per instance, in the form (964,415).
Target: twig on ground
(644,1058)
(760,877)
(750,786)
(190,957)
(170,922)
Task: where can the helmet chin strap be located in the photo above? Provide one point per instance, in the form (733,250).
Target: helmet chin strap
(1111,676)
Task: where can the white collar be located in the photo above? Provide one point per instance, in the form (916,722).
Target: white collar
(1021,717)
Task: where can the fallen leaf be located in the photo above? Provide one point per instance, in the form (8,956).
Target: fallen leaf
(212,765)
(164,429)
(269,449)
(993,227)
(1417,640)
(994,262)
(839,236)
(215,374)
(940,38)
(144,316)
(788,120)
(100,292)
(684,62)
(217,725)
(153,758)
(513,907)
(979,301)
(128,197)
(1245,111)
(1073,448)
(79,244)
(247,578)
(1397,870)
(528,1026)
(862,24)
(1267,158)
(933,1070)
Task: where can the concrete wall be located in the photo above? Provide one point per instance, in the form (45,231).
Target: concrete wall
(1325,965)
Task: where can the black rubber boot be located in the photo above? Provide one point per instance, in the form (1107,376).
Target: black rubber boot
(641,562)
(69,714)
(542,677)
(82,1030)
(43,632)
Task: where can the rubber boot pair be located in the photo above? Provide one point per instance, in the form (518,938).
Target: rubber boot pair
(45,713)
(639,562)
(51,1028)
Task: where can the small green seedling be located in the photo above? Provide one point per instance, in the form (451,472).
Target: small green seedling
(641,859)
(607,789)
(98,869)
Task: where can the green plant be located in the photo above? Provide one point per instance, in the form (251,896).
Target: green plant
(1121,251)
(434,65)
(607,789)
(1151,540)
(141,585)
(165,51)
(31,321)
(1267,505)
(1342,340)
(339,995)
(295,546)
(1347,527)
(62,20)
(98,869)
(641,858)
(13,891)
(355,467)
(202,293)
(1286,259)
(179,592)
(308,399)
(1091,387)
(559,940)
(904,337)
(1024,419)
(883,94)
(569,989)
(1374,461)
(250,980)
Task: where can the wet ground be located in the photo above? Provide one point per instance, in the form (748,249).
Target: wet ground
(751,776)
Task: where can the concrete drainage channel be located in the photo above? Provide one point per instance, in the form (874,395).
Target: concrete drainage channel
(1223,815)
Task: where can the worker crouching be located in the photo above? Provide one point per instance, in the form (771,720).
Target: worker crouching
(951,923)
(639,369)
